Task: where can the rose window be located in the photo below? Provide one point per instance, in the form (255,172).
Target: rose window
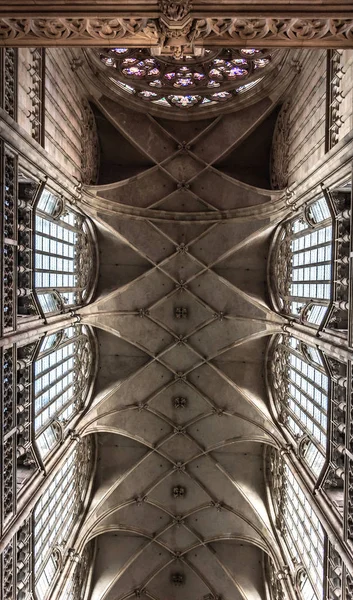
(217,76)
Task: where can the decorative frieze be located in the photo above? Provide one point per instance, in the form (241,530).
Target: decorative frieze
(155,32)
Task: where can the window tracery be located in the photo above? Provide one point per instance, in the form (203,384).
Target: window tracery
(301,390)
(300,529)
(303,264)
(64,260)
(61,377)
(188,81)
(79,579)
(57,513)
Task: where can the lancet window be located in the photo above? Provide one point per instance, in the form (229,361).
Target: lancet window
(56,515)
(61,379)
(301,390)
(303,264)
(34,557)
(63,255)
(45,384)
(300,529)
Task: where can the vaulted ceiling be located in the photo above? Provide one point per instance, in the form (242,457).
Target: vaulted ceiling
(181,413)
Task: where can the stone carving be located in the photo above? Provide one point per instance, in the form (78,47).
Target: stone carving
(177,579)
(180,402)
(175,10)
(178,491)
(280,150)
(181,312)
(82,30)
(90,146)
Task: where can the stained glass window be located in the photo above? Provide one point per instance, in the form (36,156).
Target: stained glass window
(301,390)
(61,378)
(303,264)
(63,255)
(187,81)
(56,514)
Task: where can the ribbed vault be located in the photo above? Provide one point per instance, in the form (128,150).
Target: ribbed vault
(181,416)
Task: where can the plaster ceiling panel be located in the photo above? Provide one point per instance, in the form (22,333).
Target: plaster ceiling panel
(143,425)
(223,297)
(146,334)
(142,518)
(145,238)
(136,389)
(230,130)
(183,167)
(143,132)
(118,262)
(105,570)
(205,559)
(222,522)
(240,368)
(244,563)
(139,191)
(180,448)
(184,201)
(212,385)
(246,467)
(184,131)
(219,335)
(189,498)
(183,233)
(225,193)
(220,486)
(138,571)
(116,456)
(180,403)
(224,237)
(178,538)
(138,481)
(181,266)
(192,587)
(218,429)
(166,313)
(181,358)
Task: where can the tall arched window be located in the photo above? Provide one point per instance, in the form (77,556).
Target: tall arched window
(302,264)
(64,255)
(301,390)
(62,374)
(57,513)
(300,529)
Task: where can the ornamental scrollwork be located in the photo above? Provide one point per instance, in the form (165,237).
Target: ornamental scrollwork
(175,10)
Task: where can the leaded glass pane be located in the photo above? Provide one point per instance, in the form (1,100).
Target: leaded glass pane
(301,390)
(63,255)
(303,264)
(61,375)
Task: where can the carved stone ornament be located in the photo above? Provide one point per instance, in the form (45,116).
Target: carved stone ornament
(180,402)
(175,10)
(95,31)
(177,579)
(280,150)
(178,491)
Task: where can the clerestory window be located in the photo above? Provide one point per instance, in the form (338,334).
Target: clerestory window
(300,529)
(64,257)
(301,389)
(61,379)
(56,514)
(302,266)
